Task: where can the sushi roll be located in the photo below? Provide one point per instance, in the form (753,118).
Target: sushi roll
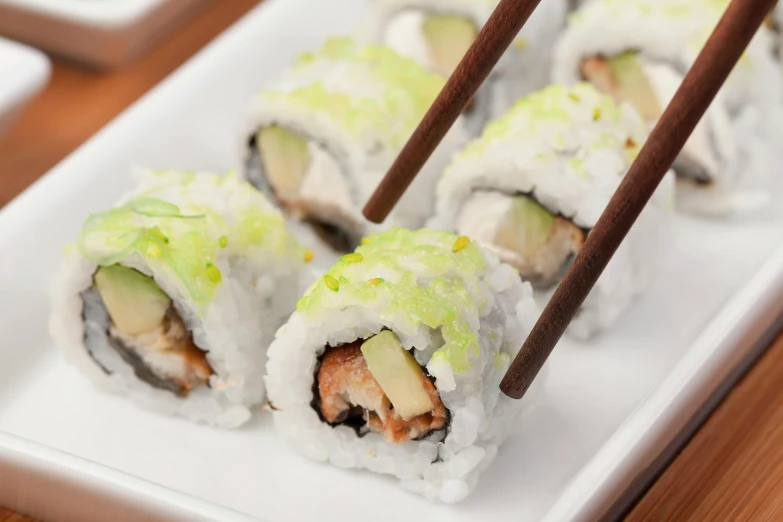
(393,359)
(438,33)
(320,138)
(173,296)
(534,184)
(640,50)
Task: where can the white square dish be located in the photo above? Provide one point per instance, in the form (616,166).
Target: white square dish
(23,73)
(609,410)
(102,33)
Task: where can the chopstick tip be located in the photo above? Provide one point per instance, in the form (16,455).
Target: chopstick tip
(511,388)
(373,213)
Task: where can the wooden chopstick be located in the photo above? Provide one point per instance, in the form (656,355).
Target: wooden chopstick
(722,51)
(493,40)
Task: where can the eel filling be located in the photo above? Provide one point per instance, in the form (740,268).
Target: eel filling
(376,385)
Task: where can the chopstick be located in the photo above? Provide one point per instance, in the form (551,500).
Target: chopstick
(716,60)
(495,37)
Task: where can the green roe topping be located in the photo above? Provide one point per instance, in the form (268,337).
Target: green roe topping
(174,227)
(556,106)
(423,281)
(405,90)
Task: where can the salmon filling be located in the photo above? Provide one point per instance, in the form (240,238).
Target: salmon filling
(349,394)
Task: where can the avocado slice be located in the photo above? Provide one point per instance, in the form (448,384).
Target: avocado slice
(398,374)
(135,303)
(285,158)
(635,86)
(526,227)
(623,78)
(449,38)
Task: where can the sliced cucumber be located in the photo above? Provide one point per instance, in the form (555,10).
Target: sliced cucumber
(398,373)
(135,303)
(285,158)
(449,38)
(634,85)
(525,228)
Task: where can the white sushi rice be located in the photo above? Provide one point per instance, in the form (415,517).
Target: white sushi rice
(672,32)
(258,289)
(571,164)
(481,417)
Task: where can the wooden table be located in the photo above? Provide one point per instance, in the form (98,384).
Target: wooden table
(731,470)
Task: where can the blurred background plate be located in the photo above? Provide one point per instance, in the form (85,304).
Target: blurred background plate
(23,73)
(100,33)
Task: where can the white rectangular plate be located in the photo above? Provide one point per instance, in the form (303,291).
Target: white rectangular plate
(103,33)
(23,73)
(607,409)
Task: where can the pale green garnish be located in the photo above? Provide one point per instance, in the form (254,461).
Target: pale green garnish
(352,258)
(173,228)
(501,361)
(406,91)
(430,285)
(551,109)
(331,283)
(460,243)
(111,236)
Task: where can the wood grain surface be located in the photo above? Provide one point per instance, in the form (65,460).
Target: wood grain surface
(731,470)
(78,102)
